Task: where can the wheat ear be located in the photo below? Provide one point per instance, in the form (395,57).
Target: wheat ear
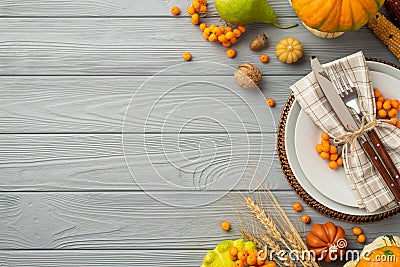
(265,220)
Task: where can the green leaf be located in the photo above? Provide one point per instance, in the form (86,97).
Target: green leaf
(388,252)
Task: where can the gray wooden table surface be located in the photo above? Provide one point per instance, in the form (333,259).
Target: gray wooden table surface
(68,71)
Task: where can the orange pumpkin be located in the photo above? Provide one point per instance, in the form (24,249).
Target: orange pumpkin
(323,238)
(336,15)
(382,257)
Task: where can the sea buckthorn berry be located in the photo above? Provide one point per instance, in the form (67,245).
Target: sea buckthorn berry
(226,44)
(326,142)
(207,31)
(205,35)
(270,264)
(339,161)
(297,207)
(270,102)
(195,19)
(237,33)
(242,28)
(187,56)
(326,147)
(218,31)
(203,26)
(357,231)
(226,226)
(392,113)
(228,29)
(378,105)
(395,103)
(333,150)
(251,260)
(196,5)
(239,263)
(175,10)
(191,10)
(264,58)
(260,262)
(333,157)
(233,258)
(380,99)
(231,52)
(318,148)
(212,37)
(203,9)
(398,125)
(324,136)
(361,238)
(324,155)
(228,35)
(382,113)
(306,219)
(222,38)
(262,257)
(253,252)
(203,2)
(233,40)
(212,27)
(333,165)
(394,121)
(387,105)
(233,251)
(377,93)
(242,254)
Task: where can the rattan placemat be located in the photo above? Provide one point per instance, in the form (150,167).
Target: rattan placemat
(287,171)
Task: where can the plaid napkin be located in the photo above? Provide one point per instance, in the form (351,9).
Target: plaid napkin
(368,186)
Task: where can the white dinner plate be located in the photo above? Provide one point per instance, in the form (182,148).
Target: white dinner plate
(329,187)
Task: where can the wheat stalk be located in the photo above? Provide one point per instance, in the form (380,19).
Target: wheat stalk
(251,238)
(262,217)
(272,227)
(273,245)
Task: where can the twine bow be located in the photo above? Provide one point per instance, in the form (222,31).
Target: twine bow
(351,137)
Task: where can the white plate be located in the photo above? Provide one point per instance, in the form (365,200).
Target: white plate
(319,184)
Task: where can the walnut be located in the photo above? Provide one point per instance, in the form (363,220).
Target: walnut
(248,76)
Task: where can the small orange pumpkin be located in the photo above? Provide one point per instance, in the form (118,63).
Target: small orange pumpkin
(325,237)
(335,15)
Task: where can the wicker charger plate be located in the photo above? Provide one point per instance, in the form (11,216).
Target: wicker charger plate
(287,171)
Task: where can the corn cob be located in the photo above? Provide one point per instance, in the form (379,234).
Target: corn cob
(387,32)
(393,8)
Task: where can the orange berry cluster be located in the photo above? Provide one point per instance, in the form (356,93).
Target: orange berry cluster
(197,6)
(359,233)
(387,108)
(226,36)
(243,257)
(329,152)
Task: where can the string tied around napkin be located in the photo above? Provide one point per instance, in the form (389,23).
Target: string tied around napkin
(351,137)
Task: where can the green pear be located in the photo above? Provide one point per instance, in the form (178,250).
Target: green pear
(242,12)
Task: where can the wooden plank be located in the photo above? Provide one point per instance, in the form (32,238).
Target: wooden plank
(133,220)
(51,104)
(115,8)
(60,46)
(92,162)
(123,258)
(101,258)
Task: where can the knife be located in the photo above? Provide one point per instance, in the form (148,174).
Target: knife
(349,123)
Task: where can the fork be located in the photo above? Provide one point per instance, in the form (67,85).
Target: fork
(348,92)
